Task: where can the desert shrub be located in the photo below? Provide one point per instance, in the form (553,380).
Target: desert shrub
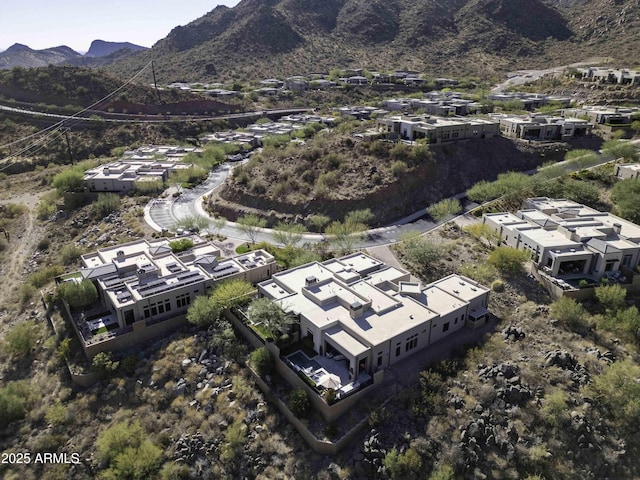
(444,208)
(569,311)
(257,186)
(399,168)
(262,361)
(443,472)
(13,401)
(419,250)
(106,204)
(43,276)
(299,402)
(554,408)
(617,390)
(43,244)
(20,340)
(57,414)
(626,197)
(402,465)
(330,396)
(14,210)
(69,180)
(69,253)
(508,260)
(103,362)
(26,293)
(64,348)
(148,187)
(497,285)
(128,453)
(611,297)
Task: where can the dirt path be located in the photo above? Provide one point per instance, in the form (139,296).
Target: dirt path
(21,245)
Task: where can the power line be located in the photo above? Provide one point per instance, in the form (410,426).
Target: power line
(70,120)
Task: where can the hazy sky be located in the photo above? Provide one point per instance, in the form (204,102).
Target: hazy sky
(75,23)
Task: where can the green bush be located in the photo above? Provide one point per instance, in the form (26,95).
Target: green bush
(617,390)
(299,402)
(554,408)
(104,363)
(78,294)
(399,168)
(570,312)
(69,253)
(21,339)
(402,465)
(444,208)
(45,275)
(181,245)
(497,285)
(106,204)
(262,361)
(128,453)
(13,402)
(509,260)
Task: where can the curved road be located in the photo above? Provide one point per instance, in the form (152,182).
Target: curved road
(167,213)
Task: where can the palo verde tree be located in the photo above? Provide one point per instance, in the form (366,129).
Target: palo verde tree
(288,234)
(266,312)
(250,225)
(206,311)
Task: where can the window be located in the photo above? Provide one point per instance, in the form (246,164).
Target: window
(412,342)
(183,300)
(455,321)
(445,327)
(398,349)
(609,266)
(626,260)
(379,364)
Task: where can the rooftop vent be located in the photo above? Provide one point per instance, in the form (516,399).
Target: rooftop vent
(120,253)
(310,280)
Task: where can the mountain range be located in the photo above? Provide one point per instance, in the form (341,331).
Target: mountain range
(19,55)
(285,37)
(265,38)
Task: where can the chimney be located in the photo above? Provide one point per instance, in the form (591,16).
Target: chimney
(617,227)
(356,309)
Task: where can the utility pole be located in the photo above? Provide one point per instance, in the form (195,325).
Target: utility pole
(155,84)
(66,135)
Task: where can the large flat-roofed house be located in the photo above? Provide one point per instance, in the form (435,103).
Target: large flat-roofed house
(566,238)
(144,284)
(372,314)
(436,129)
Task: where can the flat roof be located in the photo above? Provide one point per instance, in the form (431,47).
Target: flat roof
(440,301)
(461,287)
(345,340)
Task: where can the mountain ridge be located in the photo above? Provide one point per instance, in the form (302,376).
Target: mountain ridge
(287,37)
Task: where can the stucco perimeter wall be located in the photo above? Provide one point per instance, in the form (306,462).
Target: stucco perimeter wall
(329,412)
(141,333)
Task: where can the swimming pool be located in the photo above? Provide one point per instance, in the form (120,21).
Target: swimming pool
(300,359)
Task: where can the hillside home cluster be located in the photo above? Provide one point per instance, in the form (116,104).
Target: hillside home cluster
(567,239)
(436,129)
(542,127)
(151,163)
(371,314)
(530,101)
(144,286)
(440,103)
(620,76)
(254,134)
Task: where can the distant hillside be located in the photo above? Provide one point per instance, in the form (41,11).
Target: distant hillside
(100,48)
(19,55)
(260,38)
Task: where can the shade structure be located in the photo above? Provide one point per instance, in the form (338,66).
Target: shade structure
(329,380)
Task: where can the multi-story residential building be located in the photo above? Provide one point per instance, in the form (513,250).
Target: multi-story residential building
(359,309)
(543,127)
(600,115)
(153,162)
(567,239)
(436,129)
(145,288)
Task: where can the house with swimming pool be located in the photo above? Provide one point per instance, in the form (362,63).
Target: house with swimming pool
(368,315)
